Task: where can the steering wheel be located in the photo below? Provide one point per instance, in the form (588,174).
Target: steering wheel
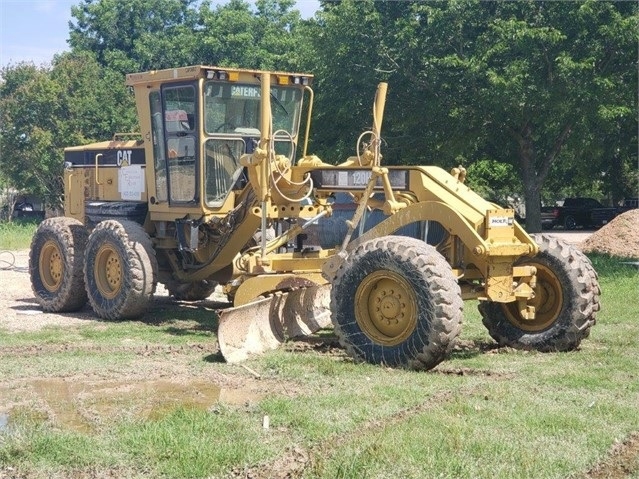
(225,124)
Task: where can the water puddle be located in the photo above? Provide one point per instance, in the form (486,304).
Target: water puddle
(87,405)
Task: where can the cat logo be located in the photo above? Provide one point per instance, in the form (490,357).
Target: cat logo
(124,157)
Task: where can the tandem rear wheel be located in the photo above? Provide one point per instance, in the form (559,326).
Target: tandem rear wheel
(120,269)
(56,260)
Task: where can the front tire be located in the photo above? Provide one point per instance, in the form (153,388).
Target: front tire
(120,270)
(56,260)
(566,302)
(395,302)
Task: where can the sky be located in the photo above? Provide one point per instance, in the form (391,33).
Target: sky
(35,30)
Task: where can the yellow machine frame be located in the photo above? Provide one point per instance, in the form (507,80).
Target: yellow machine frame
(483,244)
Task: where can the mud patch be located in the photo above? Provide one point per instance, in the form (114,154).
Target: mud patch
(290,464)
(86,406)
(622,461)
(324,342)
(468,348)
(472,372)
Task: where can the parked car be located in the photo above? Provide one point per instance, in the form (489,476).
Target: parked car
(548,216)
(24,209)
(577,212)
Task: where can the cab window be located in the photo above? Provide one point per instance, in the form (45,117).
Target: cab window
(180,107)
(159,157)
(232,125)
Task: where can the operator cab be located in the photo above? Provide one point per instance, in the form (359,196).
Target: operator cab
(204,119)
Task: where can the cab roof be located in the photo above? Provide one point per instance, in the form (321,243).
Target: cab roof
(212,72)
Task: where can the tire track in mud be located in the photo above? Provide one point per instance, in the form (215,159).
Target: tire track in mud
(297,459)
(621,462)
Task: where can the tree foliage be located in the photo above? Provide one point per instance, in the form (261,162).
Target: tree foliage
(154,34)
(135,36)
(43,110)
(235,35)
(28,101)
(527,83)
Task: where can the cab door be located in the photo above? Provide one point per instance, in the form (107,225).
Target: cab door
(175,143)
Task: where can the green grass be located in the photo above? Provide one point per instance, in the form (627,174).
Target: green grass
(16,234)
(484,413)
(192,443)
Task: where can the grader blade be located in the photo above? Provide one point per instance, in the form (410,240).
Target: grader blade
(260,326)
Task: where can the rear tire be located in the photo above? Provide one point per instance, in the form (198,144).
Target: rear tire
(570,223)
(120,270)
(395,302)
(195,291)
(56,262)
(567,300)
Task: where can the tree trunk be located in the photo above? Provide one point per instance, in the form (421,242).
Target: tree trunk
(533,172)
(530,179)
(533,206)
(615,170)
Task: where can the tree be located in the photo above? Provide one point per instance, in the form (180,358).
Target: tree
(43,110)
(239,37)
(28,104)
(525,82)
(344,56)
(544,71)
(155,34)
(136,36)
(357,44)
(495,181)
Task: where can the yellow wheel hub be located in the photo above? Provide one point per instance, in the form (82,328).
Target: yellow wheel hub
(385,308)
(51,266)
(108,271)
(548,302)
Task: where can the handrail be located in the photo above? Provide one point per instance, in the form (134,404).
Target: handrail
(97,181)
(308,119)
(121,136)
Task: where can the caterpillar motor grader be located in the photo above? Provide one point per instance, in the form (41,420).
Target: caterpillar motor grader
(213,192)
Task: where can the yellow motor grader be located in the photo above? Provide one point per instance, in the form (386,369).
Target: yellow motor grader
(213,193)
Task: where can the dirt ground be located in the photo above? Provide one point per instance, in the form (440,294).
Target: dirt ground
(20,312)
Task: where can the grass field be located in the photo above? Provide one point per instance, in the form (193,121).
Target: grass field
(16,234)
(146,399)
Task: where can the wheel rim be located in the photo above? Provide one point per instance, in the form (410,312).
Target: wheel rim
(51,266)
(108,271)
(548,302)
(385,308)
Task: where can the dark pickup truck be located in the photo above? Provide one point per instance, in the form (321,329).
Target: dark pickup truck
(628,204)
(575,212)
